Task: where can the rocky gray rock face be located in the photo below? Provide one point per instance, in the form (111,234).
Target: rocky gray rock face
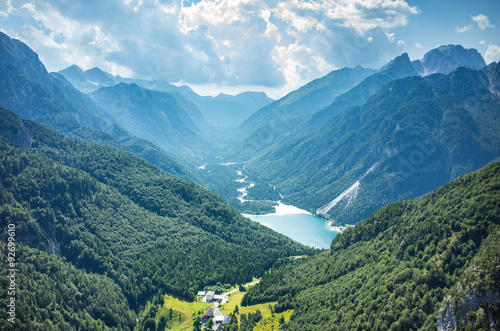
(493,73)
(453,316)
(16,55)
(474,302)
(12,128)
(445,59)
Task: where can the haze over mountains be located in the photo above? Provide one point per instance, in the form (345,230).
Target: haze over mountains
(223,110)
(108,175)
(33,93)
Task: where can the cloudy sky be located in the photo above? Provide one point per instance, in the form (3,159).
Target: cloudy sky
(235,45)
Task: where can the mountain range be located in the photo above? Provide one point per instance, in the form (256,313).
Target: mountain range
(268,128)
(413,135)
(296,144)
(396,135)
(101,177)
(29,90)
(222,110)
(156,117)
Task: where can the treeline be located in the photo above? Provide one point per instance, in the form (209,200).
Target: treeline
(395,269)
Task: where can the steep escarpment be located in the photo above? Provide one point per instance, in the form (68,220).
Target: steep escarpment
(474,302)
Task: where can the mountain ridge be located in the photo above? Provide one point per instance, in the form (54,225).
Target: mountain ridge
(401,267)
(156,117)
(52,100)
(410,127)
(282,127)
(222,110)
(111,213)
(266,126)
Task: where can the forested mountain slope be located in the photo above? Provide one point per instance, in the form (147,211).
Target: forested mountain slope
(113,214)
(29,90)
(399,67)
(413,135)
(298,113)
(272,123)
(309,98)
(155,116)
(397,269)
(52,294)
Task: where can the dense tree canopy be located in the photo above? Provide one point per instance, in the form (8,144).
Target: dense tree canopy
(395,269)
(113,214)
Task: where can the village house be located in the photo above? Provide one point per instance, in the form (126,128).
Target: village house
(224,319)
(210,296)
(214,312)
(209,313)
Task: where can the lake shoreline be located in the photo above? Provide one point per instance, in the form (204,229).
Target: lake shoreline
(282,209)
(299,225)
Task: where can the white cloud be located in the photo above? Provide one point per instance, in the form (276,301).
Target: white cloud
(417,45)
(213,13)
(271,29)
(6,8)
(463,29)
(289,12)
(225,42)
(62,41)
(482,21)
(360,15)
(492,53)
(370,14)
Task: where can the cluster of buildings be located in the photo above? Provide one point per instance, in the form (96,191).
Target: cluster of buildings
(213,312)
(210,296)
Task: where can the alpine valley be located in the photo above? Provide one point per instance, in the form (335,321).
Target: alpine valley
(125,198)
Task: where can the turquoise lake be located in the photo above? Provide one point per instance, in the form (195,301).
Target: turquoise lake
(304,228)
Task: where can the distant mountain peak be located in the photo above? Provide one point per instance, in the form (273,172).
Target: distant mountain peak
(74,67)
(96,75)
(444,59)
(16,54)
(399,62)
(400,67)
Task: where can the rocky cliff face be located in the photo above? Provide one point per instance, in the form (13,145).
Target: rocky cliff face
(474,302)
(493,73)
(473,309)
(15,55)
(445,59)
(12,128)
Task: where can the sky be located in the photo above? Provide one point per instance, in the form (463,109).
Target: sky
(232,46)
